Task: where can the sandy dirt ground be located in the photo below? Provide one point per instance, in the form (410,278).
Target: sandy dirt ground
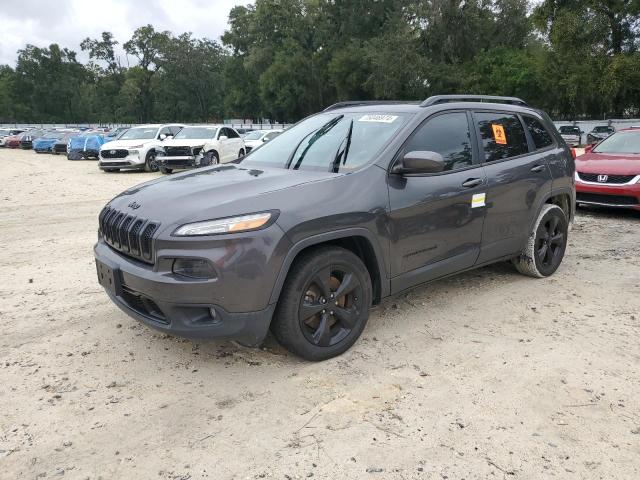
(486,375)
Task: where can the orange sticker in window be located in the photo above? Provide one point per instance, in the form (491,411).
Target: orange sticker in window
(498,134)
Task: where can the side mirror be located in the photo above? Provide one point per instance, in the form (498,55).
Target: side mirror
(162,136)
(419,162)
(168,137)
(588,148)
(223,137)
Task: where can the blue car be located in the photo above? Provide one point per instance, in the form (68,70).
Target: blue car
(45,143)
(85,146)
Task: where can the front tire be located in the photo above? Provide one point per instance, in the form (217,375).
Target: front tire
(547,243)
(150,164)
(165,171)
(324,304)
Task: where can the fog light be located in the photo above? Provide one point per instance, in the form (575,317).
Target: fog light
(193,268)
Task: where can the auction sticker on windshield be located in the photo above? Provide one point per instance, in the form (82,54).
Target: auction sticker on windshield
(378,118)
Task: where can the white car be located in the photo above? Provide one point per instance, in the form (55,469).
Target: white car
(200,146)
(253,140)
(135,149)
(571,134)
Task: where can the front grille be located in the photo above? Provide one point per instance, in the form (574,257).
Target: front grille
(593,177)
(177,151)
(26,144)
(128,234)
(606,199)
(119,153)
(143,305)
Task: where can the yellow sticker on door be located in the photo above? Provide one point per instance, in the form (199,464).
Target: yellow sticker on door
(478,200)
(498,134)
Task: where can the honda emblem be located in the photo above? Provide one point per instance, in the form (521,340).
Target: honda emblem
(603,178)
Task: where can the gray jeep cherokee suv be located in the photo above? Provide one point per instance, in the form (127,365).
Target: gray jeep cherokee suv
(361,201)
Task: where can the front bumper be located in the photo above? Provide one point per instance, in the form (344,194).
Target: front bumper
(239,293)
(177,162)
(130,161)
(609,195)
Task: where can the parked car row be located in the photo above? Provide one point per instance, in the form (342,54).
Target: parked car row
(169,147)
(572,134)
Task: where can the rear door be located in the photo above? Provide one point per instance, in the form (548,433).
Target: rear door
(436,219)
(518,176)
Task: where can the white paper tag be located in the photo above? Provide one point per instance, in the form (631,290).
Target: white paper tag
(478,200)
(378,118)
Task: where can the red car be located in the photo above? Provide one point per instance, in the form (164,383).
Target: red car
(609,173)
(13,141)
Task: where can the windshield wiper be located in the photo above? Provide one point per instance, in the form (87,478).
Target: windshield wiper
(314,138)
(341,154)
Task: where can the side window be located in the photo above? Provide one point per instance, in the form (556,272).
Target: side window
(447,134)
(541,137)
(502,135)
(232,133)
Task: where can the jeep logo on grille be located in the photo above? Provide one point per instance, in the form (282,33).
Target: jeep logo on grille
(134,205)
(603,178)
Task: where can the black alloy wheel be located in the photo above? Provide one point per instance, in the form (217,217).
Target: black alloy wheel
(331,306)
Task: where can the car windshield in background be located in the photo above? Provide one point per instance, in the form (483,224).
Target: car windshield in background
(139,134)
(570,130)
(52,135)
(194,133)
(329,142)
(602,129)
(255,135)
(621,142)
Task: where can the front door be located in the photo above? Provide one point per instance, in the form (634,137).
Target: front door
(436,219)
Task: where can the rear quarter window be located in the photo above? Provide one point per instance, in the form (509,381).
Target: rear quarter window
(540,135)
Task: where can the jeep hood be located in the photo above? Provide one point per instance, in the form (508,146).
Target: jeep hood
(210,193)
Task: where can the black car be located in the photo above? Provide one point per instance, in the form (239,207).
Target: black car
(349,206)
(26,143)
(599,133)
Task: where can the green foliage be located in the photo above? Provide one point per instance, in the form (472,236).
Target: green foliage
(285,59)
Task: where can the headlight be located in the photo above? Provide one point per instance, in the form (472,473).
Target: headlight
(242,223)
(133,152)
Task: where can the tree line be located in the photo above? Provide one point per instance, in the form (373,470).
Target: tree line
(285,59)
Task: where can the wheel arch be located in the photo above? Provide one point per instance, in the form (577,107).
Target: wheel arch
(360,241)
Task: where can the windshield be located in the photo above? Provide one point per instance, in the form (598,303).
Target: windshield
(570,130)
(621,142)
(196,133)
(140,133)
(255,135)
(329,142)
(602,129)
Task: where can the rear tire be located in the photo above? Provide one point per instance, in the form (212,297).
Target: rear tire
(324,304)
(546,245)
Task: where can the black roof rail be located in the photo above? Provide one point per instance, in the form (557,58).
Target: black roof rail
(435,100)
(356,103)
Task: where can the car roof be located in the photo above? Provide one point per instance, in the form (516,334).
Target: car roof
(416,108)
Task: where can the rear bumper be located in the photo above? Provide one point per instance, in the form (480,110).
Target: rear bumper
(618,196)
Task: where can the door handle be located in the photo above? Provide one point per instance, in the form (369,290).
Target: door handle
(538,168)
(473,182)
